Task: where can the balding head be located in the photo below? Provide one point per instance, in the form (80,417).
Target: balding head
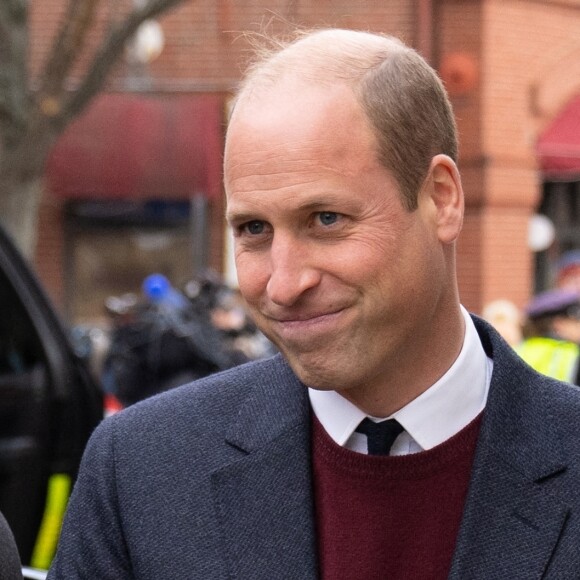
(400,94)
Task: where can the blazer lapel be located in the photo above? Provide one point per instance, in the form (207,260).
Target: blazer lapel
(263,498)
(513,517)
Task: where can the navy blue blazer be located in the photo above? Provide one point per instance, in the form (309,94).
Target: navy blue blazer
(212,481)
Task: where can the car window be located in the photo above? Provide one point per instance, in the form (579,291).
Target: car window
(20,348)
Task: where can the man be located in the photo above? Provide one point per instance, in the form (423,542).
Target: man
(346,203)
(553,334)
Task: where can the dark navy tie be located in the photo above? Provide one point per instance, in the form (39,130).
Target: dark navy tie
(380,436)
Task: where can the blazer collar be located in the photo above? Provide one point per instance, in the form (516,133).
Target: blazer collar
(277,403)
(512,518)
(263,498)
(519,423)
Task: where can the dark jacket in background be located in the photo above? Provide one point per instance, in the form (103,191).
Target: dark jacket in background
(10,568)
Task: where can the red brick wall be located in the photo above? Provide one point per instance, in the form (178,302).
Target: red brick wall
(525,58)
(204,41)
(514,46)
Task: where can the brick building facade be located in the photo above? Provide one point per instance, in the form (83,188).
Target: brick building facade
(511,66)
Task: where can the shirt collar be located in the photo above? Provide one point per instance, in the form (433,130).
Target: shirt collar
(434,416)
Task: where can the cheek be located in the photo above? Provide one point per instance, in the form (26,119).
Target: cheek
(253,275)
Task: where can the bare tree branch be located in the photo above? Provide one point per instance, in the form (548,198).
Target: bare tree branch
(108,55)
(30,122)
(14,96)
(18,9)
(68,43)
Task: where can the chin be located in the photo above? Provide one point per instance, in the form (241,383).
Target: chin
(318,378)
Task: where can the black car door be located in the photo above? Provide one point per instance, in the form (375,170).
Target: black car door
(49,405)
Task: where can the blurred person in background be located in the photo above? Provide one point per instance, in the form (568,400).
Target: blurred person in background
(552,334)
(506,318)
(167,337)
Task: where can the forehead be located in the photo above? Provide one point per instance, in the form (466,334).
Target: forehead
(281,171)
(298,127)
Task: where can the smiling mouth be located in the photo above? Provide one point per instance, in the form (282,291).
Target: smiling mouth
(304,321)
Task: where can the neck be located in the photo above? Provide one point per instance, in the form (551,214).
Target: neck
(419,366)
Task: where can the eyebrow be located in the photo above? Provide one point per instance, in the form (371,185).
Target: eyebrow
(240,217)
(316,203)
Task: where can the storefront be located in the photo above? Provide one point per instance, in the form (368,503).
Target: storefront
(138,177)
(559,158)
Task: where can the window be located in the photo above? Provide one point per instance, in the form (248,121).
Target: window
(560,203)
(112,246)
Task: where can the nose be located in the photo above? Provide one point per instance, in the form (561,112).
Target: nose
(292,271)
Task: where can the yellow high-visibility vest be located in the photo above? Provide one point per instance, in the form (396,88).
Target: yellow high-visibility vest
(555,358)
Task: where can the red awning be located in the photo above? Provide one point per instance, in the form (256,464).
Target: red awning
(135,147)
(559,146)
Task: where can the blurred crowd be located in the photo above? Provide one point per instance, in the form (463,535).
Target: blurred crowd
(164,336)
(546,333)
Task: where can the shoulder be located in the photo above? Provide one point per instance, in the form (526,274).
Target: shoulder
(197,414)
(184,435)
(219,394)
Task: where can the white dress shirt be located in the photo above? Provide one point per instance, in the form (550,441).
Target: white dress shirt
(433,417)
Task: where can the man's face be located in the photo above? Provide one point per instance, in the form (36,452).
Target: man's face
(348,284)
(567,328)
(570,279)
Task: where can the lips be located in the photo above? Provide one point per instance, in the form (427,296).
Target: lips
(304,327)
(303,317)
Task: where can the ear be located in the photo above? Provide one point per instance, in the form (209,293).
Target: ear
(446,194)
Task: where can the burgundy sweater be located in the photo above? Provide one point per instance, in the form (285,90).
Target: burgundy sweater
(389,517)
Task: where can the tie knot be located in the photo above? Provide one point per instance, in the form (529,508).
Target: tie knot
(380,436)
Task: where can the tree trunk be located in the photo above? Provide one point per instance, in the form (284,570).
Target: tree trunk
(21,181)
(19,205)
(30,121)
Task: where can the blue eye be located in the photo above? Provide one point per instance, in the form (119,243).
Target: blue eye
(328,218)
(254,227)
